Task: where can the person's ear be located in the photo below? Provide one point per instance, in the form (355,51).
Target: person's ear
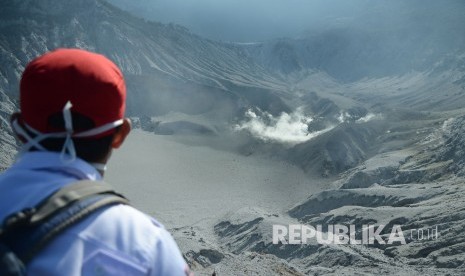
(15,117)
(121,134)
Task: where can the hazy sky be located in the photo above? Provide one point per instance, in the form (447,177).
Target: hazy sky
(255,20)
(252,19)
(247,20)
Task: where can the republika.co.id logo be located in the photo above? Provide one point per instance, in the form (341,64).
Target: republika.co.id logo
(343,234)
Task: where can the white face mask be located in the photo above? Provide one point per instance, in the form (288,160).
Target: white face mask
(68,152)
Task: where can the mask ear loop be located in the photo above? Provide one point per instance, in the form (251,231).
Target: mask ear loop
(68,146)
(31,142)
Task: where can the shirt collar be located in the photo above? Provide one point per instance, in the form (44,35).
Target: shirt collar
(46,160)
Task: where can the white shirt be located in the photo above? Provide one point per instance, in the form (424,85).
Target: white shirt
(117,240)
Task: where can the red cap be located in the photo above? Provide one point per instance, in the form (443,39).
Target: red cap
(91,82)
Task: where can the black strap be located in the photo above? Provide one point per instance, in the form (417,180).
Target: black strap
(70,194)
(60,200)
(71,215)
(29,231)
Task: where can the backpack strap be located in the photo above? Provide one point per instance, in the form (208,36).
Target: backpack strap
(71,194)
(29,231)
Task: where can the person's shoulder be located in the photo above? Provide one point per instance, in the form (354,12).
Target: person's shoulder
(145,231)
(129,221)
(124,229)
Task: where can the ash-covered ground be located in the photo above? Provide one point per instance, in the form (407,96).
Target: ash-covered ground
(220,195)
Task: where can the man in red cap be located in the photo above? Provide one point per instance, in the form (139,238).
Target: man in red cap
(72,117)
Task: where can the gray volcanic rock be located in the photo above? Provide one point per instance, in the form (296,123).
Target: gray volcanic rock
(453,149)
(8,144)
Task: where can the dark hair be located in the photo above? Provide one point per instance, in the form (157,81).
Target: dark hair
(88,149)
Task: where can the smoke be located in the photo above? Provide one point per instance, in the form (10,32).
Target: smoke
(286,128)
(368,117)
(294,128)
(347,117)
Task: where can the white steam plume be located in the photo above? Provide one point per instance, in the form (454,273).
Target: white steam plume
(286,128)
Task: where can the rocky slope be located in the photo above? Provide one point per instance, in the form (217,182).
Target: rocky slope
(167,68)
(419,188)
(7,141)
(183,66)
(402,167)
